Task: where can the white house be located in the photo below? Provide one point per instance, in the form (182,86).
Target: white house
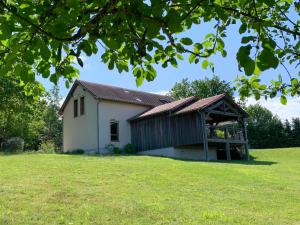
(96,115)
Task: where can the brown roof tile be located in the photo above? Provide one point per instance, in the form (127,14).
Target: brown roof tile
(201,104)
(167,107)
(107,92)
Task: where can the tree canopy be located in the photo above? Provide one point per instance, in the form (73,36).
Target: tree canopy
(47,37)
(204,88)
(266,130)
(34,118)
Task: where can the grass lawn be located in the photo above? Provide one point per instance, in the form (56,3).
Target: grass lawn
(77,189)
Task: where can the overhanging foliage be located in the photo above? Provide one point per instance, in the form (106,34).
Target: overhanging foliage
(47,37)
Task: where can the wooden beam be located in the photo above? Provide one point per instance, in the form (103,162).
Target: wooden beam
(204,135)
(214,106)
(227,145)
(244,127)
(223,113)
(232,108)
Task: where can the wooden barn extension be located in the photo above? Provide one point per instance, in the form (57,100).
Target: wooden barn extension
(213,123)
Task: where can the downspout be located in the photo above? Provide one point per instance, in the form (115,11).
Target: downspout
(63,135)
(98,143)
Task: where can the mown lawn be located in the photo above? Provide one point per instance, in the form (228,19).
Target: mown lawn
(76,189)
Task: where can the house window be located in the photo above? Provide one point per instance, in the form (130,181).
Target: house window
(82,106)
(164,101)
(75,108)
(114,130)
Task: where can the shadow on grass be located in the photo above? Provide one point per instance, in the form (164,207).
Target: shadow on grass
(6,153)
(251,162)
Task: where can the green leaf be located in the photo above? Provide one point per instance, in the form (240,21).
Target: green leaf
(112,43)
(67,84)
(54,78)
(111,64)
(28,57)
(153,28)
(245,61)
(27,75)
(269,43)
(173,62)
(267,59)
(179,56)
(249,67)
(173,20)
(80,62)
(247,39)
(192,58)
(139,81)
(294,81)
(44,69)
(86,47)
(44,50)
(186,41)
(283,100)
(205,64)
(243,28)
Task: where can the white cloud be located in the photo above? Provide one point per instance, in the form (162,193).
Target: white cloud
(160,92)
(288,111)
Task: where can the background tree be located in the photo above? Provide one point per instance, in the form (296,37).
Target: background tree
(296,131)
(201,88)
(288,134)
(20,114)
(46,37)
(52,130)
(264,129)
(32,117)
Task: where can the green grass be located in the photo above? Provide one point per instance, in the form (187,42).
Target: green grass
(77,189)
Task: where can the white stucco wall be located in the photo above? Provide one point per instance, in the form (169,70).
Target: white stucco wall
(189,153)
(109,110)
(80,132)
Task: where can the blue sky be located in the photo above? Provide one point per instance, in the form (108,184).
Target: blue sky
(95,70)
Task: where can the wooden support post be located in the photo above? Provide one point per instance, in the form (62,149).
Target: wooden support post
(227,145)
(204,135)
(246,138)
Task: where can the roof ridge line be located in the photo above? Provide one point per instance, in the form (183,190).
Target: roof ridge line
(108,85)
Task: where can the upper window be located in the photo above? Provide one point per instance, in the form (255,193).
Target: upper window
(82,106)
(164,101)
(75,108)
(114,130)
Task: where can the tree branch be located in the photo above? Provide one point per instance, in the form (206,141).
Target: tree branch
(82,31)
(279,27)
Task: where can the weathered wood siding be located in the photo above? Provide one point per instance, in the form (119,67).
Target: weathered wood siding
(165,131)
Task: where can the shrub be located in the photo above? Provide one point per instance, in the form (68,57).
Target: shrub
(117,150)
(47,147)
(113,149)
(130,149)
(13,145)
(78,151)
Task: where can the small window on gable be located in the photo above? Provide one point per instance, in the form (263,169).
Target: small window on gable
(75,108)
(164,101)
(114,130)
(82,106)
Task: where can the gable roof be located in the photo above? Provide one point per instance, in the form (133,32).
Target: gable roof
(118,94)
(167,107)
(188,105)
(201,104)
(205,102)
